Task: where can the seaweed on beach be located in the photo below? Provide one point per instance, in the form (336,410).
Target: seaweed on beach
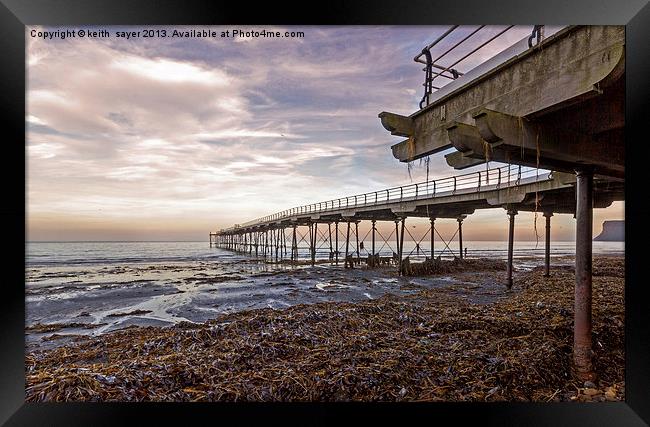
(129,313)
(52,327)
(428,346)
(438,266)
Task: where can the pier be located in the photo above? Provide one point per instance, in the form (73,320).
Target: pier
(544,104)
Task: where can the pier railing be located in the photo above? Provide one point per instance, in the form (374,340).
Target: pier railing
(492,179)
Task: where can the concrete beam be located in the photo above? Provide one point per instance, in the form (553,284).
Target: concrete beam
(396,124)
(404,208)
(503,198)
(467,140)
(508,135)
(459,161)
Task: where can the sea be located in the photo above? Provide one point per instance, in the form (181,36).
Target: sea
(90,288)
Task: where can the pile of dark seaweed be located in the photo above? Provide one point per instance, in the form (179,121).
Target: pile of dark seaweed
(429,346)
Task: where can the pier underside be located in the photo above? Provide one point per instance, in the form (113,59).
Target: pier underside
(558,105)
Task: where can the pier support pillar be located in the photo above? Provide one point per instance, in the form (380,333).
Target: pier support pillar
(511,239)
(311,241)
(284,240)
(347,246)
(374,229)
(313,245)
(336,233)
(460,234)
(547,247)
(283,244)
(397,236)
(582,312)
(329,231)
(294,246)
(433,229)
(356,233)
(401,246)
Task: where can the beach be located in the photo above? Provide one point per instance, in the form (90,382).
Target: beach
(247,330)
(90,288)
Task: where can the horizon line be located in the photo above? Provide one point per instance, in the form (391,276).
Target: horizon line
(207,241)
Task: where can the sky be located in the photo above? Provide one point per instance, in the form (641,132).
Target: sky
(171,138)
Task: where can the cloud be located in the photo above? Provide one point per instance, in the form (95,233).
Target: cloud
(161,134)
(166,70)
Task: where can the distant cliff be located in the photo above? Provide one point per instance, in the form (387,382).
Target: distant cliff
(613,231)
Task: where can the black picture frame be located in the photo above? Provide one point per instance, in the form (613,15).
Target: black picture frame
(16,14)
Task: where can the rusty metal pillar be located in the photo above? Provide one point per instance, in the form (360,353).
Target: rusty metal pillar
(347,246)
(401,246)
(277,243)
(329,231)
(511,240)
(336,253)
(294,246)
(374,229)
(313,253)
(433,229)
(547,247)
(460,235)
(356,233)
(397,235)
(582,311)
(284,240)
(257,243)
(311,238)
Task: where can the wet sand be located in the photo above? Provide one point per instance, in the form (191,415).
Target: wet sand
(109,298)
